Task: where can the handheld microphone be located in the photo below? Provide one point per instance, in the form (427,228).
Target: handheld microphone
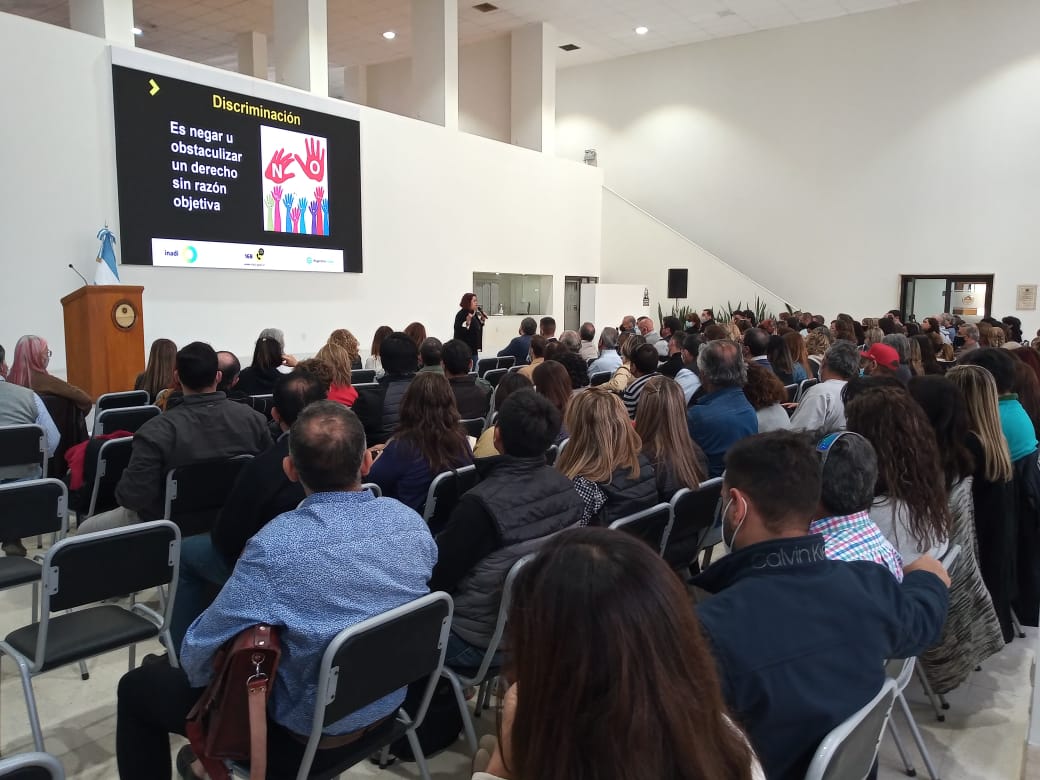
(81,276)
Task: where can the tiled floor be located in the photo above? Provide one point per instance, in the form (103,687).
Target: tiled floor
(982,739)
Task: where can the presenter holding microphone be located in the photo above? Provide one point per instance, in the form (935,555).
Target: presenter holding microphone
(469,324)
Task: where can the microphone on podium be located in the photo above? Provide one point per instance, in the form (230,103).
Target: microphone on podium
(81,276)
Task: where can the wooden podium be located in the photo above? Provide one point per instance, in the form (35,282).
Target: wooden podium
(104,337)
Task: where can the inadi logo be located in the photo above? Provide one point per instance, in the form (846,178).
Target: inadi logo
(190,253)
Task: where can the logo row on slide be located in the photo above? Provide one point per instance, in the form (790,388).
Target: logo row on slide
(177,253)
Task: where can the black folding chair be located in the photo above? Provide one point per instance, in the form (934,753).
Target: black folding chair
(369,661)
(495,375)
(362,376)
(651,525)
(122,400)
(805,385)
(792,393)
(87,569)
(263,404)
(30,508)
(124,418)
(551,455)
(600,378)
(196,493)
(693,520)
(31,766)
(444,494)
(112,459)
(484,365)
(474,427)
(506,361)
(23,452)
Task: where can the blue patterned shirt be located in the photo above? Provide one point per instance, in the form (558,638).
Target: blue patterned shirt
(337,559)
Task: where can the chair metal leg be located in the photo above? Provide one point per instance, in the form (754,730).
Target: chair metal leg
(384,757)
(932,698)
(707,558)
(1017,626)
(420,759)
(908,766)
(467,721)
(83,673)
(30,703)
(492,687)
(133,657)
(167,641)
(916,734)
(35,602)
(481,695)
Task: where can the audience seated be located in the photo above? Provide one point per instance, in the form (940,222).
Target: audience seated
(588,351)
(608,358)
(520,346)
(547,328)
(158,371)
(536,355)
(799,355)
(669,327)
(552,380)
(673,361)
(756,347)
(910,500)
(428,439)
(338,359)
(577,371)
(518,503)
(343,556)
(817,343)
(789,372)
(766,394)
(21,406)
(261,375)
(261,492)
(722,415)
(348,341)
(882,360)
(29,369)
(507,385)
(623,377)
(687,376)
(472,395)
(571,341)
(416,331)
(603,458)
(660,422)
(822,628)
(615,677)
(373,361)
(644,367)
(628,325)
(379,407)
(230,368)
(430,356)
(901,344)
(205,426)
(821,408)
(645,328)
(848,472)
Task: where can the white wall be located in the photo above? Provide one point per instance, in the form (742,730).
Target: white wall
(484,88)
(437,205)
(825,159)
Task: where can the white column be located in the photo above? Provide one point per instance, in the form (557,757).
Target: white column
(301,44)
(355,84)
(252,54)
(533,99)
(109,19)
(435,61)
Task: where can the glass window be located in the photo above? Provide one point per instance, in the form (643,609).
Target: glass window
(513,294)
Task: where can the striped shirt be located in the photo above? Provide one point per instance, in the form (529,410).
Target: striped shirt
(856,537)
(630,395)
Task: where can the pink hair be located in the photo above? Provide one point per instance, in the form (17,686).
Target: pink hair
(30,354)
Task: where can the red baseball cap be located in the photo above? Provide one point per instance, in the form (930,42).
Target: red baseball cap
(883,355)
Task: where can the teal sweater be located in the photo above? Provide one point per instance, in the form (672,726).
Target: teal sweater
(1018,428)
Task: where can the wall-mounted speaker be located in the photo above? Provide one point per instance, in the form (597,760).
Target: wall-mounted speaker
(677,280)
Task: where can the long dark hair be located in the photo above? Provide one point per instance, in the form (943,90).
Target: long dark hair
(158,373)
(928,362)
(647,703)
(947,411)
(779,355)
(430,422)
(552,380)
(377,340)
(909,468)
(1027,387)
(661,425)
(267,354)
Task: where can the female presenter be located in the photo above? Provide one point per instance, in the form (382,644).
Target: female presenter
(469,324)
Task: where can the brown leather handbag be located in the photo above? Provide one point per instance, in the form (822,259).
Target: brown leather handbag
(229,721)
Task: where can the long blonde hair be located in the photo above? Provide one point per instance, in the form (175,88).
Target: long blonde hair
(661,425)
(338,359)
(602,438)
(980,392)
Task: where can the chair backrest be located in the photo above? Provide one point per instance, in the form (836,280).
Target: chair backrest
(484,365)
(445,491)
(366,386)
(124,418)
(362,376)
(33,507)
(551,455)
(71,423)
(263,403)
(123,399)
(792,392)
(561,445)
(949,558)
(693,515)
(23,451)
(372,488)
(196,493)
(849,751)
(805,385)
(378,656)
(112,459)
(495,375)
(599,378)
(31,766)
(651,525)
(506,361)
(109,564)
(474,427)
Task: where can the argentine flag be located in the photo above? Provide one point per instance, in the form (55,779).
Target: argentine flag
(107,272)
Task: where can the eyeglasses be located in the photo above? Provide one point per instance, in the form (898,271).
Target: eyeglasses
(49,353)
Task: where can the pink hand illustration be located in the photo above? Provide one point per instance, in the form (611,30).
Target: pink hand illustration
(278,166)
(319,193)
(276,193)
(295,215)
(314,166)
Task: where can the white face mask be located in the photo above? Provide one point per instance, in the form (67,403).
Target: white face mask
(729,544)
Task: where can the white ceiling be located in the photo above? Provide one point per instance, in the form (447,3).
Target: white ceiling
(205,30)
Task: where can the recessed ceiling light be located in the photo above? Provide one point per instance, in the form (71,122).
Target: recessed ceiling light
(570,47)
(486,8)
(389,35)
(137,31)
(642,30)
